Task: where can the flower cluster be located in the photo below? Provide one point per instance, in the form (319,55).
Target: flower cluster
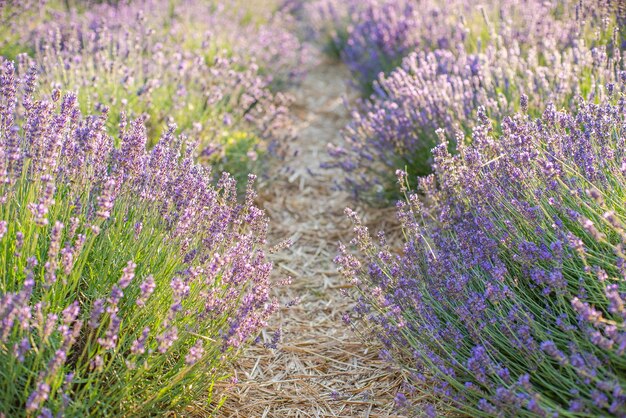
(129,282)
(508,297)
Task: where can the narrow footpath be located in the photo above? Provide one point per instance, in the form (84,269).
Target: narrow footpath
(320,367)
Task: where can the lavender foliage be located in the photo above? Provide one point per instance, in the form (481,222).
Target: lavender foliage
(396,127)
(202,65)
(508,297)
(129,282)
(371,37)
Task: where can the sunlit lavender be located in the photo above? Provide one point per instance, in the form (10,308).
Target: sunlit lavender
(508,296)
(141,142)
(395,128)
(217,87)
(127,277)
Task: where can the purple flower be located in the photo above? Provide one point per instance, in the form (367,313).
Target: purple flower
(53,252)
(444,87)
(3,228)
(138,346)
(550,348)
(180,288)
(127,276)
(71,313)
(147,288)
(195,353)
(401,401)
(138,229)
(39,396)
(599,398)
(48,326)
(96,363)
(60,356)
(96,312)
(107,199)
(192,231)
(167,339)
(109,341)
(616,302)
(45,413)
(21,349)
(274,341)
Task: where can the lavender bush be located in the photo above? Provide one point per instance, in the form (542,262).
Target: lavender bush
(382,33)
(129,282)
(176,61)
(395,127)
(13,18)
(373,36)
(508,298)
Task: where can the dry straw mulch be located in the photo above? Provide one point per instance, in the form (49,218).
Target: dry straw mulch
(320,368)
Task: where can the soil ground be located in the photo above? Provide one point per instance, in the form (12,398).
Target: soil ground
(320,367)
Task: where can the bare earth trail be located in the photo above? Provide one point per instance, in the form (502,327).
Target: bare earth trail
(320,367)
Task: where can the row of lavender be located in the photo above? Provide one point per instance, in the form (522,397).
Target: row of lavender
(509,298)
(509,122)
(212,68)
(427,65)
(133,274)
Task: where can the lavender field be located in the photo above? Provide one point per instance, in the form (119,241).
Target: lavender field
(322,208)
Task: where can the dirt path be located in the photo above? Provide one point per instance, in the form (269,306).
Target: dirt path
(320,368)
